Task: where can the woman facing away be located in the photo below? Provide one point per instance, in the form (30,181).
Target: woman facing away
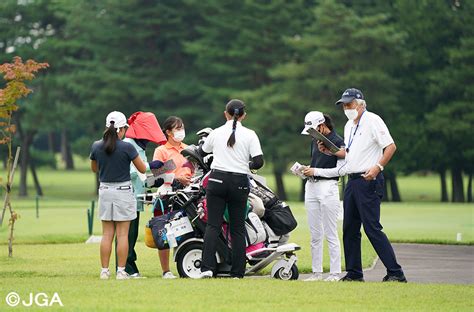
(111,158)
(232,146)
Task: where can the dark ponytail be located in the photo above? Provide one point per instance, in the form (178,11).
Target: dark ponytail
(110,138)
(235,108)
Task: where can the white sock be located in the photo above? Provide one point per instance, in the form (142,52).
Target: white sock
(120,269)
(105,269)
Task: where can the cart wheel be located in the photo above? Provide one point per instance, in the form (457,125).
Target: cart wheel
(188,260)
(293,274)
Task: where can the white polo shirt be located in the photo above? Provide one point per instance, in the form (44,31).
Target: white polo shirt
(236,158)
(365,146)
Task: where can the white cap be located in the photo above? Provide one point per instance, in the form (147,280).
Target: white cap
(312,120)
(118,118)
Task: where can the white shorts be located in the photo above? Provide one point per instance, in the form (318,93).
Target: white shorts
(117,202)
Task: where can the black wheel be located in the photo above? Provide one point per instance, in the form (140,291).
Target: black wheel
(293,274)
(188,260)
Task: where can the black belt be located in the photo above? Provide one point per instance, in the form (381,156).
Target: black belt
(316,179)
(231,173)
(355,175)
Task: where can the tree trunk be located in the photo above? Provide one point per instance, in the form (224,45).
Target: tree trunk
(444,187)
(39,190)
(469,188)
(458,188)
(280,187)
(396,197)
(303,183)
(66,152)
(26,140)
(51,146)
(385,197)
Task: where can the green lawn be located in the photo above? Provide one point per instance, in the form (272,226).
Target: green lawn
(79,184)
(50,256)
(71,270)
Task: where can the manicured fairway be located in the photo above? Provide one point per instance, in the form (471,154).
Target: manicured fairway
(50,256)
(71,270)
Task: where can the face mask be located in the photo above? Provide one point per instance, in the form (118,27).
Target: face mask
(351,114)
(179,135)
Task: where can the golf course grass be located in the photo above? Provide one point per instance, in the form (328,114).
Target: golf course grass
(49,256)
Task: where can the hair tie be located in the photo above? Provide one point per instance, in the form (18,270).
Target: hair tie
(236,111)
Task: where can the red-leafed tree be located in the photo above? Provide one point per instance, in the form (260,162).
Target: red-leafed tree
(15,74)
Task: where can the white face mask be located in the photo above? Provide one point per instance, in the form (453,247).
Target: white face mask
(179,135)
(351,114)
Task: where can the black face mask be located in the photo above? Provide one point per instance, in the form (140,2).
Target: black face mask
(142,142)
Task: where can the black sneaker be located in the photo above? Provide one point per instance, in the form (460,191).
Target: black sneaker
(347,278)
(394,278)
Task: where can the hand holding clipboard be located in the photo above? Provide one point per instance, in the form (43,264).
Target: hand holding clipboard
(320,137)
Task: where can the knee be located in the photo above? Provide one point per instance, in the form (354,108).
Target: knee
(351,235)
(316,239)
(372,230)
(333,242)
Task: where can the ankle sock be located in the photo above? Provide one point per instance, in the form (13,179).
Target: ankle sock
(120,269)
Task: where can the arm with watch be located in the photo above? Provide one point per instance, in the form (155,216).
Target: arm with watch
(388,152)
(340,169)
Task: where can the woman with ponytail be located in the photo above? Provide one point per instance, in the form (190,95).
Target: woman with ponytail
(232,145)
(111,157)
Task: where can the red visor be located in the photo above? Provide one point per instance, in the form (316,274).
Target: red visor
(145,126)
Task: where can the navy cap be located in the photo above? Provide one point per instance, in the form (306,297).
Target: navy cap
(349,95)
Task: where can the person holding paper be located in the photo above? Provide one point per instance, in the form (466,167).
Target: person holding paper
(322,200)
(173,128)
(143,128)
(369,148)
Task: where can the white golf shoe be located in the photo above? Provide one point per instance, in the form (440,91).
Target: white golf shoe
(314,277)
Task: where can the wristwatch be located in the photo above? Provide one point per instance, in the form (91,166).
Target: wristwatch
(380,167)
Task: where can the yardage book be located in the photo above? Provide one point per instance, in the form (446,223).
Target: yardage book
(167,166)
(320,137)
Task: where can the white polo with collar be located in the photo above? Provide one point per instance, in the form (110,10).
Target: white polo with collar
(366,148)
(236,158)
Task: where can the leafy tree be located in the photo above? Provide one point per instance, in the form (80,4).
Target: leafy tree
(15,73)
(339,49)
(238,43)
(433,28)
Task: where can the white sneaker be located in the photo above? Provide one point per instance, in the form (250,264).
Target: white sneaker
(122,275)
(314,277)
(169,275)
(206,274)
(105,275)
(333,278)
(136,275)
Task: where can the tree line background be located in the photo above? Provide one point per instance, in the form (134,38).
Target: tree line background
(411,59)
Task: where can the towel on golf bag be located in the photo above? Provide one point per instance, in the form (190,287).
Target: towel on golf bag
(279,218)
(254,230)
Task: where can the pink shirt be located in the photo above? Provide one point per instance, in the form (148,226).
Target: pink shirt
(168,151)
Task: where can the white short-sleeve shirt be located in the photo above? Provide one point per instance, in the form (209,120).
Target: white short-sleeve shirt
(236,158)
(365,146)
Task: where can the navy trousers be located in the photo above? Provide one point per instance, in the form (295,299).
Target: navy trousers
(362,206)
